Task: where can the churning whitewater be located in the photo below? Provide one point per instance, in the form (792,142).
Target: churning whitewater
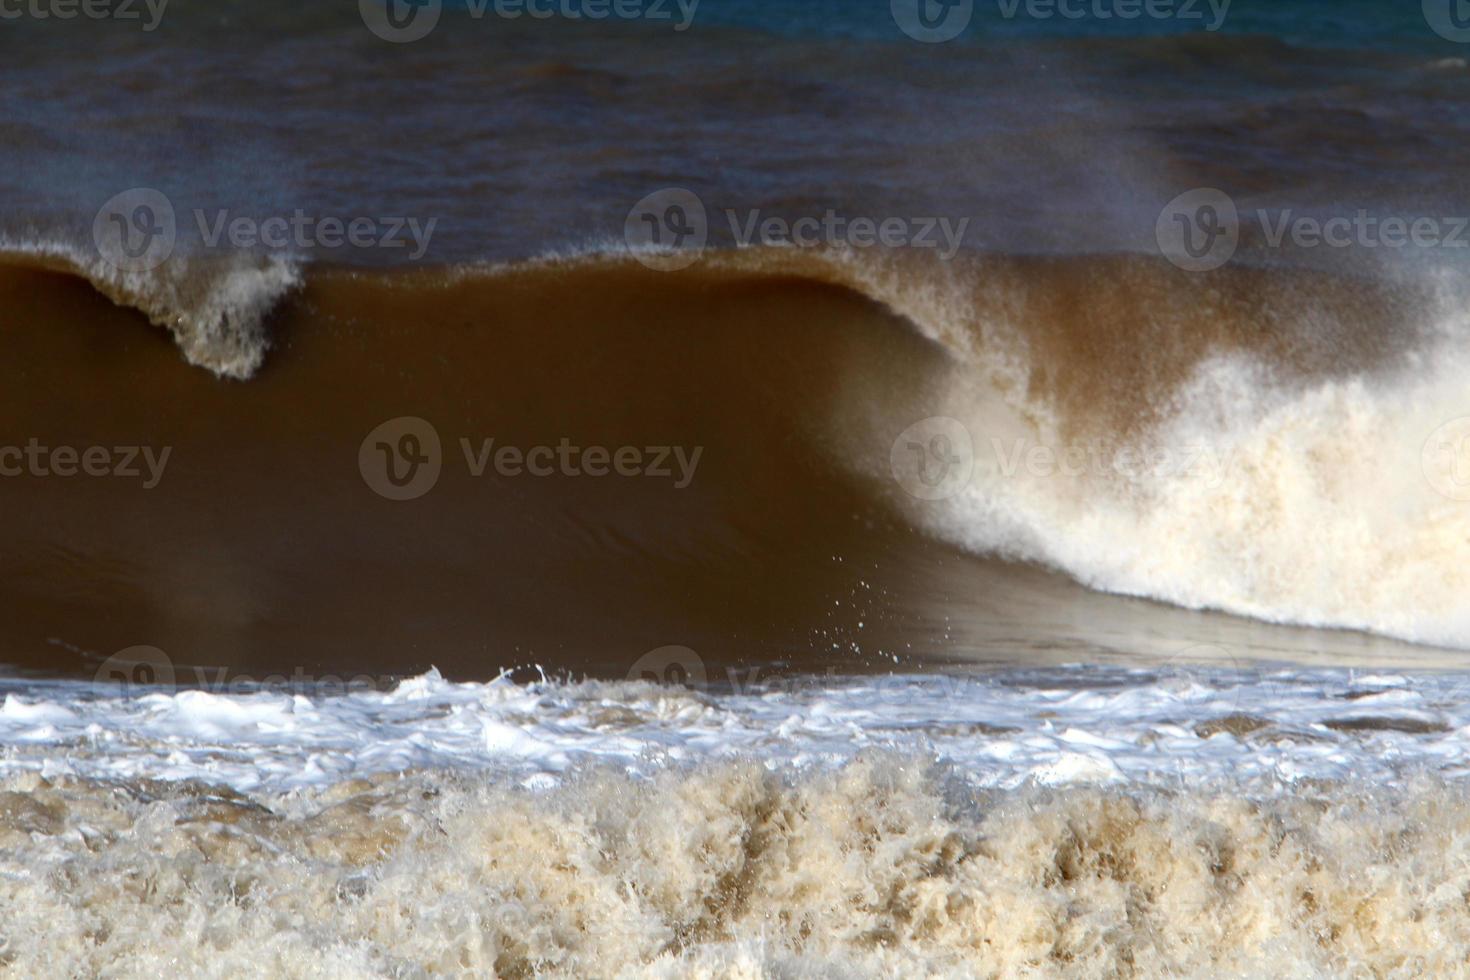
(1078,822)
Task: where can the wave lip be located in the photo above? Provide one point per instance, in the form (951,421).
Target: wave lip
(215,307)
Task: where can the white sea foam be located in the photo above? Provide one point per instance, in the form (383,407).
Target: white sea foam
(1000,730)
(1313,508)
(1075,822)
(1337,502)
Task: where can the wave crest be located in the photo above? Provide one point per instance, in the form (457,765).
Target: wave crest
(214,307)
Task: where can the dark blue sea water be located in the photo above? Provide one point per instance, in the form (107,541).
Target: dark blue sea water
(1382,24)
(1052,133)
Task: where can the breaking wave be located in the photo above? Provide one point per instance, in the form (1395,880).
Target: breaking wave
(1278,444)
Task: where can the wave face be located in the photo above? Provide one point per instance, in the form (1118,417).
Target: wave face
(1078,823)
(1275,439)
(1115,425)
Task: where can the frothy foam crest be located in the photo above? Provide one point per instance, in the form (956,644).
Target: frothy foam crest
(214,307)
(1297,503)
(1291,495)
(881,869)
(1089,820)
